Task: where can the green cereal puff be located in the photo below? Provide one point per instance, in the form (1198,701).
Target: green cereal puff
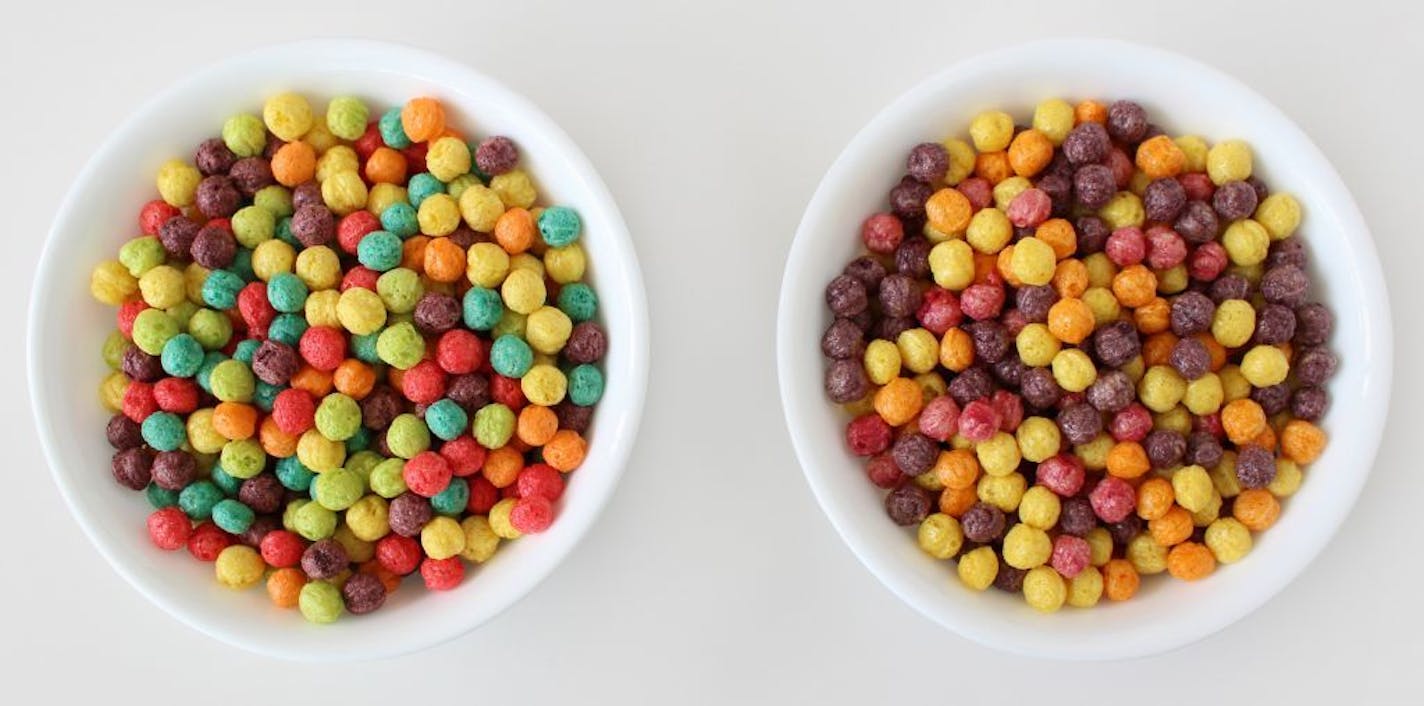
(114,347)
(232,516)
(559,226)
(182,356)
(346,117)
(401,346)
(142,254)
(275,199)
(360,441)
(287,328)
(211,329)
(482,308)
(289,513)
(220,289)
(446,419)
(337,489)
(160,498)
(229,484)
(400,218)
(494,425)
(245,135)
(422,186)
(407,436)
(164,431)
(287,293)
(243,458)
(364,348)
(388,479)
(510,356)
(313,522)
(379,250)
(361,462)
(400,289)
(320,602)
(338,417)
(151,330)
(452,500)
(198,499)
(253,225)
(293,475)
(246,348)
(392,132)
(242,265)
(458,185)
(264,395)
(578,301)
(205,373)
(231,381)
(182,312)
(512,323)
(585,385)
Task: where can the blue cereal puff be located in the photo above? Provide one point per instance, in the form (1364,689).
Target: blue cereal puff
(245,349)
(578,301)
(585,385)
(293,475)
(198,499)
(510,356)
(264,395)
(400,218)
(164,431)
(242,265)
(287,293)
(232,516)
(360,441)
(422,186)
(559,226)
(159,497)
(446,419)
(453,499)
(284,233)
(226,482)
(380,250)
(364,348)
(182,356)
(392,132)
(482,308)
(220,289)
(287,328)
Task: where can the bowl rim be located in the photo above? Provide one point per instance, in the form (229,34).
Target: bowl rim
(844,520)
(334,50)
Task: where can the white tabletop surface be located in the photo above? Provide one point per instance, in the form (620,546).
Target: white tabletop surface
(712,576)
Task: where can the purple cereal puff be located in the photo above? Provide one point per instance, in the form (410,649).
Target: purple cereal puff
(907,199)
(1203,449)
(1124,530)
(313,225)
(363,593)
(843,339)
(868,270)
(140,366)
(437,313)
(1112,392)
(1076,517)
(1314,366)
(214,247)
(1060,192)
(1258,186)
(307,194)
(275,362)
(1094,186)
(173,470)
(1234,201)
(1255,466)
(132,468)
(1035,301)
(914,454)
(899,295)
(1087,143)
(1127,121)
(572,416)
(1080,423)
(845,381)
(1285,284)
(262,492)
(123,433)
(1192,313)
(324,559)
(1163,200)
(177,235)
(383,404)
(471,391)
(496,155)
(1190,358)
(1093,234)
(908,504)
(983,523)
(1275,324)
(1290,251)
(213,157)
(1273,399)
(928,162)
(587,343)
(1117,343)
(1009,579)
(972,384)
(1039,389)
(408,514)
(1228,287)
(890,327)
(1165,448)
(1198,223)
(913,257)
(1010,371)
(217,197)
(1309,403)
(991,340)
(1313,323)
(846,296)
(251,175)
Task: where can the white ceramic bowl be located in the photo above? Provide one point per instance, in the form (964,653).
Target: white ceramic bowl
(67,329)
(1183,96)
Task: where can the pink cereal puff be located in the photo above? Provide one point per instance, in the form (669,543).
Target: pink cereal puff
(1063,474)
(883,472)
(982,301)
(1070,555)
(882,233)
(1126,246)
(1030,208)
(1165,249)
(1010,409)
(939,311)
(1207,262)
(939,420)
(1112,499)
(1131,424)
(979,421)
(868,435)
(978,190)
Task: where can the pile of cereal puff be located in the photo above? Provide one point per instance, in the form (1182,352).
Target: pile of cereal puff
(1081,352)
(348,349)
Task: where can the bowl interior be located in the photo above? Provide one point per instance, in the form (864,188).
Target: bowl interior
(68,328)
(1184,97)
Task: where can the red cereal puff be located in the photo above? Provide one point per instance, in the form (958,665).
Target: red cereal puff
(532,514)
(353,227)
(281,549)
(1207,261)
(369,141)
(939,311)
(982,301)
(540,480)
(882,233)
(939,419)
(360,276)
(154,213)
(294,411)
(979,421)
(1210,424)
(1126,246)
(128,311)
(252,304)
(868,434)
(1198,186)
(207,541)
(424,383)
(1131,424)
(460,351)
(415,157)
(1113,499)
(1010,409)
(1063,474)
(1165,249)
(464,454)
(1070,555)
(507,392)
(169,528)
(427,474)
(442,574)
(323,347)
(398,554)
(884,472)
(483,496)
(978,190)
(176,395)
(139,401)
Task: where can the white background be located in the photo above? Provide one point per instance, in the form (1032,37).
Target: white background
(712,576)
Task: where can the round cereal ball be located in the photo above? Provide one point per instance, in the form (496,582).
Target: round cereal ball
(1026,547)
(1044,590)
(239,567)
(585,385)
(338,417)
(1039,508)
(1228,540)
(523,291)
(1264,366)
(244,135)
(320,602)
(287,115)
(939,536)
(1247,242)
(510,356)
(1193,487)
(544,385)
(363,593)
(407,436)
(346,117)
(1229,161)
(401,346)
(548,329)
(493,425)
